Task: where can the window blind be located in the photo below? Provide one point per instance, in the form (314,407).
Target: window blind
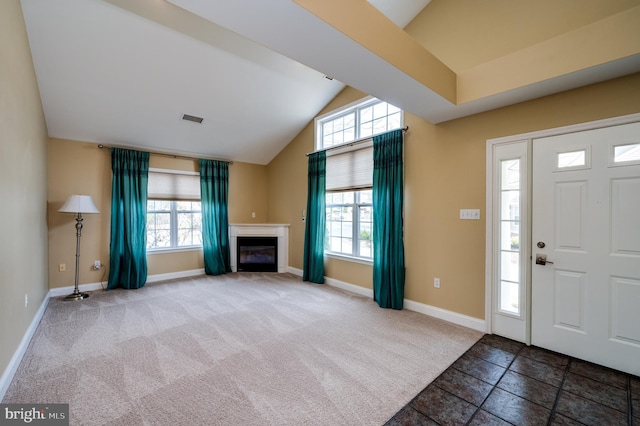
(351,169)
(170,185)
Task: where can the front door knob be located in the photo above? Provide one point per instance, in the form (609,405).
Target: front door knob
(541,259)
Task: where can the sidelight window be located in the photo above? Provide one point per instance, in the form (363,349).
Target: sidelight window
(509,229)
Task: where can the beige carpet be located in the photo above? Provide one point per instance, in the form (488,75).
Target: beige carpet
(240,349)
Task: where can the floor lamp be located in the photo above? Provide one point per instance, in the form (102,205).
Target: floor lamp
(78,204)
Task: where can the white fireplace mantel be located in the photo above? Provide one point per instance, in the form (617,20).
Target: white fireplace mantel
(279,230)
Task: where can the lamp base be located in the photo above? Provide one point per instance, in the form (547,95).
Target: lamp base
(76,295)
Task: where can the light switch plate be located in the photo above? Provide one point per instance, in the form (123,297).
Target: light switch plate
(470,214)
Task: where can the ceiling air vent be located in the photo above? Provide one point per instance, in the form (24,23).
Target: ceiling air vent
(192,118)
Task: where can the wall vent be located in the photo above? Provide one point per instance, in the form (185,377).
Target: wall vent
(192,118)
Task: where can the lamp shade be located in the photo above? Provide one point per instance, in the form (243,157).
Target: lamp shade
(79,204)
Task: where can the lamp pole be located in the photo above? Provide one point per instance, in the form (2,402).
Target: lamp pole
(76,295)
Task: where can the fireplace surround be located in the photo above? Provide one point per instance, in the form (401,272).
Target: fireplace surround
(256,235)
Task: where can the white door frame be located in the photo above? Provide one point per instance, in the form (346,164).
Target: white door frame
(489,231)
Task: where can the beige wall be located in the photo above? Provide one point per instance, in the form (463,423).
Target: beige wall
(77,168)
(444,172)
(81,168)
(464,34)
(23,184)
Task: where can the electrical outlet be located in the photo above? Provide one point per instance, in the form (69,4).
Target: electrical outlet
(26,300)
(62,267)
(253,215)
(436,282)
(96,265)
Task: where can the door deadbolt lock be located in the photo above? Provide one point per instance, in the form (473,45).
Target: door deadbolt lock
(541,259)
(541,244)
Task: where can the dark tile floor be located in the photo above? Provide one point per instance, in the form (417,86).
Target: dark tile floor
(500,382)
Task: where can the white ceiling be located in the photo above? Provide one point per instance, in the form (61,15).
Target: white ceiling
(122,72)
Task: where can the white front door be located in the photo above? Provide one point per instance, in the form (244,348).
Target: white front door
(586,221)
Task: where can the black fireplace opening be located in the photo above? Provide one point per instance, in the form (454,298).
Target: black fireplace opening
(258,254)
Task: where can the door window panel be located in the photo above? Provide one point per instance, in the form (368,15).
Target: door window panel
(571,159)
(626,153)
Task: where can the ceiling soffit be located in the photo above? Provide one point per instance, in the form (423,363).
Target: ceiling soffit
(356,44)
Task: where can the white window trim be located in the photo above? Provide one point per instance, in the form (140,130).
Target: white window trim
(161,250)
(347,258)
(173,172)
(342,111)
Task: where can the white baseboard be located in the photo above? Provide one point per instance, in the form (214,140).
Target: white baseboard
(63,291)
(443,314)
(174,275)
(294,271)
(366,292)
(11,369)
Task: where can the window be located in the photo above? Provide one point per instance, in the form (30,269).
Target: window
(509,236)
(174,218)
(356,121)
(629,153)
(173,224)
(349,223)
(572,160)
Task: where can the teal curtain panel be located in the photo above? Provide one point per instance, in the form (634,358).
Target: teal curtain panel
(388,245)
(128,258)
(313,261)
(214,194)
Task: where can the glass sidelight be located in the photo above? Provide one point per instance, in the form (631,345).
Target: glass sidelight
(508,250)
(510,277)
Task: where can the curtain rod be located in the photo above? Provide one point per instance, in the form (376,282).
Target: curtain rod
(164,154)
(404,129)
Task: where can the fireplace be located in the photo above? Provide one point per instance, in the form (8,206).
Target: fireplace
(277,231)
(257,254)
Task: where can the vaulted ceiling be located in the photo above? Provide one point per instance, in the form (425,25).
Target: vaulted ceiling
(124,72)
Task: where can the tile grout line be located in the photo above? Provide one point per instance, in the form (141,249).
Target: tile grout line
(444,390)
(555,402)
(595,401)
(494,387)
